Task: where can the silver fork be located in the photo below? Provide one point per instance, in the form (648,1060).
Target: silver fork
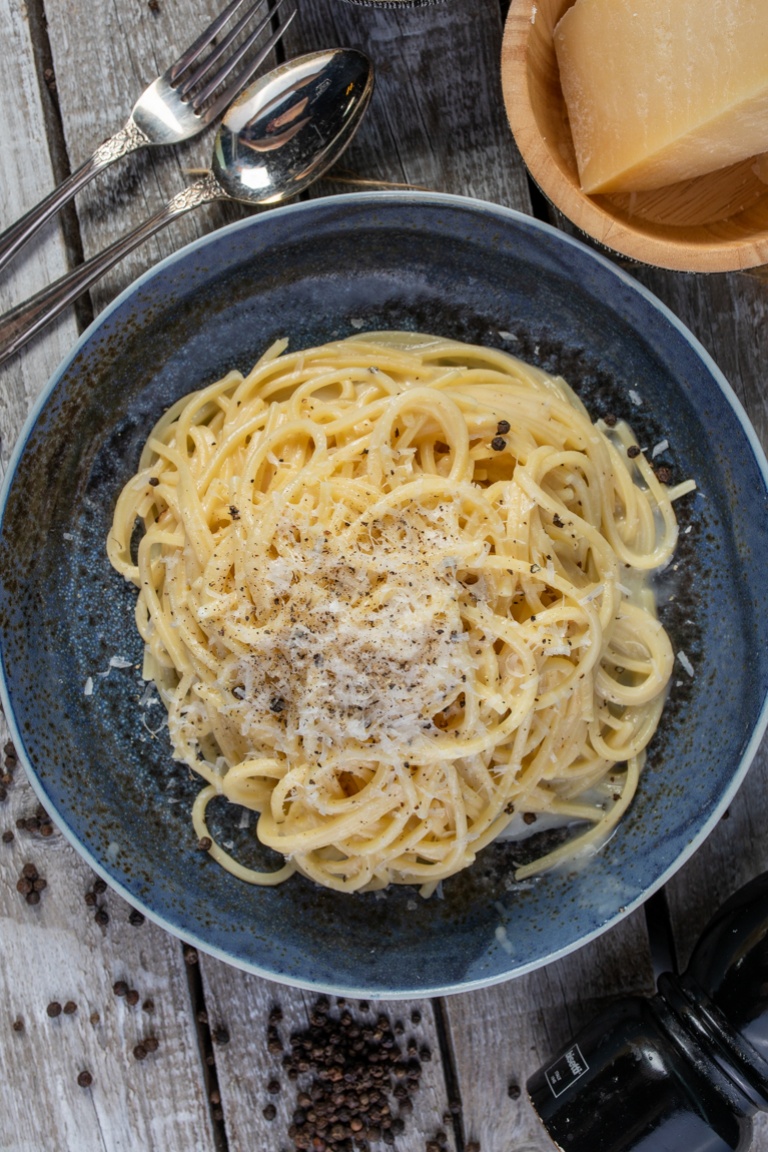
(173,108)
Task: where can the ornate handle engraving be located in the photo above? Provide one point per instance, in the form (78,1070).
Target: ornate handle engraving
(203,191)
(20,323)
(127,140)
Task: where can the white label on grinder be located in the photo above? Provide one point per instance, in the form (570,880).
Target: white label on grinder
(564,1071)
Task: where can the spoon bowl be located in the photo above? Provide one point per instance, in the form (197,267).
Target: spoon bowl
(290,126)
(278,137)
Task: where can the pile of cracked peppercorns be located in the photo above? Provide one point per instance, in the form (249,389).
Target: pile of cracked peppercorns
(360,1081)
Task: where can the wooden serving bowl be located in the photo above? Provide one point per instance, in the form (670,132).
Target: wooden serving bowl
(713,223)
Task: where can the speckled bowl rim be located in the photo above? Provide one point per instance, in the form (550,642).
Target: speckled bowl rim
(750,748)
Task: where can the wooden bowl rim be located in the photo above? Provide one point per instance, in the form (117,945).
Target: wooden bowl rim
(582,210)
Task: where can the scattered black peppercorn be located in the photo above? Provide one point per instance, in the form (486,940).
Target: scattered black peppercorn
(610,420)
(151,1043)
(503,427)
(132,997)
(204,844)
(99,887)
(663,474)
(136,918)
(269,1112)
(54,1009)
(140,1052)
(7,836)
(498,443)
(633,451)
(514,1091)
(153,480)
(356,1067)
(120,988)
(18,1024)
(148,1006)
(277,704)
(85,1079)
(69,1008)
(101,917)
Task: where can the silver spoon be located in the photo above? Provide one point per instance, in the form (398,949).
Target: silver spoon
(278,137)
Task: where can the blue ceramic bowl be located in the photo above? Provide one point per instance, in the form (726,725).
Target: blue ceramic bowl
(315,272)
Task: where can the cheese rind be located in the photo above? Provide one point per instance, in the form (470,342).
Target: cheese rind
(659,92)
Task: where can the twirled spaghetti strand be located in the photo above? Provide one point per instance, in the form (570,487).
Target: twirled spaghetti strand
(393,594)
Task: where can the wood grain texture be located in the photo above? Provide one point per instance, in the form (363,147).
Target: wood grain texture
(246,1068)
(26,168)
(104,55)
(56,951)
(522,1023)
(436,119)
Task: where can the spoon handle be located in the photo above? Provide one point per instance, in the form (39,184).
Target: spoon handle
(22,322)
(127,140)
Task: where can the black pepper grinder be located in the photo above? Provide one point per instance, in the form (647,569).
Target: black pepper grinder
(683,1071)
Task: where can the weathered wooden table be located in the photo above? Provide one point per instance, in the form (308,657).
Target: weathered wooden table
(69,73)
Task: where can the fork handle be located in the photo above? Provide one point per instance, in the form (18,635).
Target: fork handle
(22,322)
(128,139)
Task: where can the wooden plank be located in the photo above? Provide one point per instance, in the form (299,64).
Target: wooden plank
(251,1077)
(501,1035)
(57,951)
(436,119)
(26,167)
(104,55)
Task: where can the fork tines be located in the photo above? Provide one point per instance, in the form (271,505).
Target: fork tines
(186,78)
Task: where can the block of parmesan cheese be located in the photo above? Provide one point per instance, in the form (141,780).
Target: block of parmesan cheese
(663,90)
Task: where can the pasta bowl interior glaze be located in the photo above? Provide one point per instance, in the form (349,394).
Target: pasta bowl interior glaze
(100,760)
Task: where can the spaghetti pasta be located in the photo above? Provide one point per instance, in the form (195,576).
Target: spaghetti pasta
(393,592)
